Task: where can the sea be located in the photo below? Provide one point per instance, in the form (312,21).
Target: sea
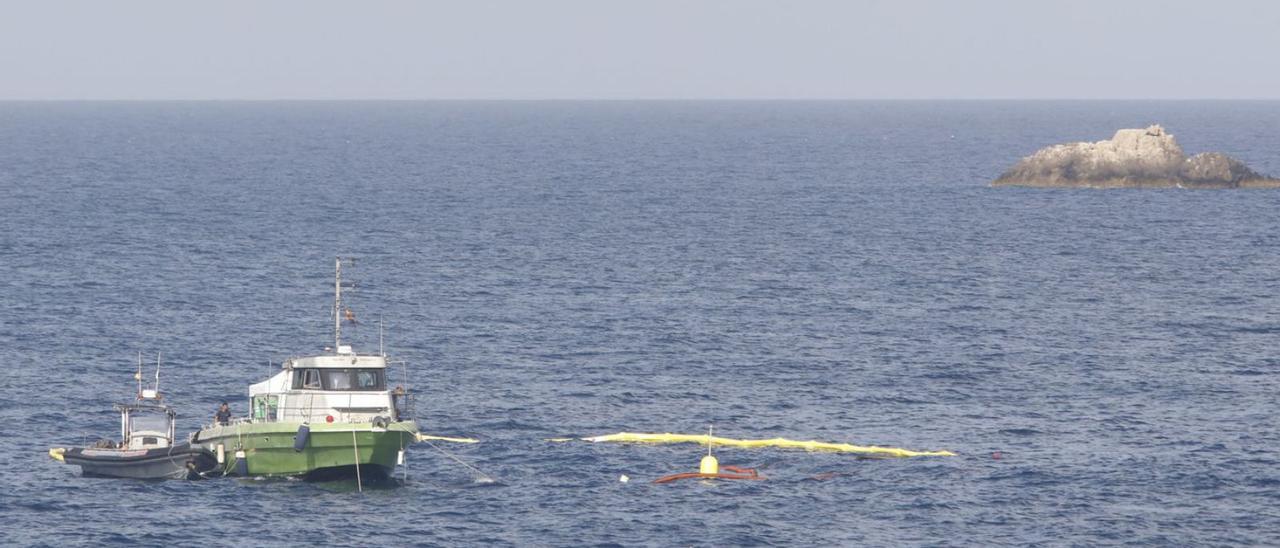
(1103,362)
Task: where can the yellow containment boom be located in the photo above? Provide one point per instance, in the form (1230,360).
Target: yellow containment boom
(703,439)
(424,437)
(420,437)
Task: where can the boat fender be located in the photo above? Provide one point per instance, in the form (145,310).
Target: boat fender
(242,464)
(300,441)
(381,422)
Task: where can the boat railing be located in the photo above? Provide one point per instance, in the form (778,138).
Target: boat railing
(402,408)
(301,416)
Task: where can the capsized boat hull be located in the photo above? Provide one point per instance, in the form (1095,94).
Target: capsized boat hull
(181,461)
(332,450)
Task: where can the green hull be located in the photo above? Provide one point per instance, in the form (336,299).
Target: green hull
(331,448)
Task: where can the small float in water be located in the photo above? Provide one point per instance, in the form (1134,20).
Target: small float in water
(147,448)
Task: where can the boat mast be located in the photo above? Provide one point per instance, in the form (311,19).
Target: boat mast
(138,375)
(337,303)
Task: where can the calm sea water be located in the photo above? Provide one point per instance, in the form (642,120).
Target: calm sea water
(832,271)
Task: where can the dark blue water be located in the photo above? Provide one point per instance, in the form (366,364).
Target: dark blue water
(832,271)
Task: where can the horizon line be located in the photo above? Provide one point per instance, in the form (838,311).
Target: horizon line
(631,100)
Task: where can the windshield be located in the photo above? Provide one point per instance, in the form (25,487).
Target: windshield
(368,379)
(341,379)
(149,423)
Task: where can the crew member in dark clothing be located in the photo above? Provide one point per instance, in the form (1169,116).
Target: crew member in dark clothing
(223,416)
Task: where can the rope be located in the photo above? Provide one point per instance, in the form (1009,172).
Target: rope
(486,477)
(356,447)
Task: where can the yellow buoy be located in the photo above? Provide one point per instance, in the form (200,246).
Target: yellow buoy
(709,465)
(56,453)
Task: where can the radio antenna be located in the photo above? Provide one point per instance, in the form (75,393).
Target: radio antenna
(337,303)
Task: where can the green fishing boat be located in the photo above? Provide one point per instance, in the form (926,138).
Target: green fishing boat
(329,416)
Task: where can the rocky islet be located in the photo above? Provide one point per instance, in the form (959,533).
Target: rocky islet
(1133,158)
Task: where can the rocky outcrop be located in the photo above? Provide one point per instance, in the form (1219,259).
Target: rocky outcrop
(1132,158)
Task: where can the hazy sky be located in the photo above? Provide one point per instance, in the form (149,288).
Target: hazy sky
(263,49)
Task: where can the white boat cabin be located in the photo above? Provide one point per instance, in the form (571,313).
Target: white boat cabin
(145,426)
(341,387)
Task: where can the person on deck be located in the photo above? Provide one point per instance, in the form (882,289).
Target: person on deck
(223,416)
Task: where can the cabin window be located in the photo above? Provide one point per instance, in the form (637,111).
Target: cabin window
(340,379)
(312,379)
(307,378)
(368,379)
(337,379)
(264,408)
